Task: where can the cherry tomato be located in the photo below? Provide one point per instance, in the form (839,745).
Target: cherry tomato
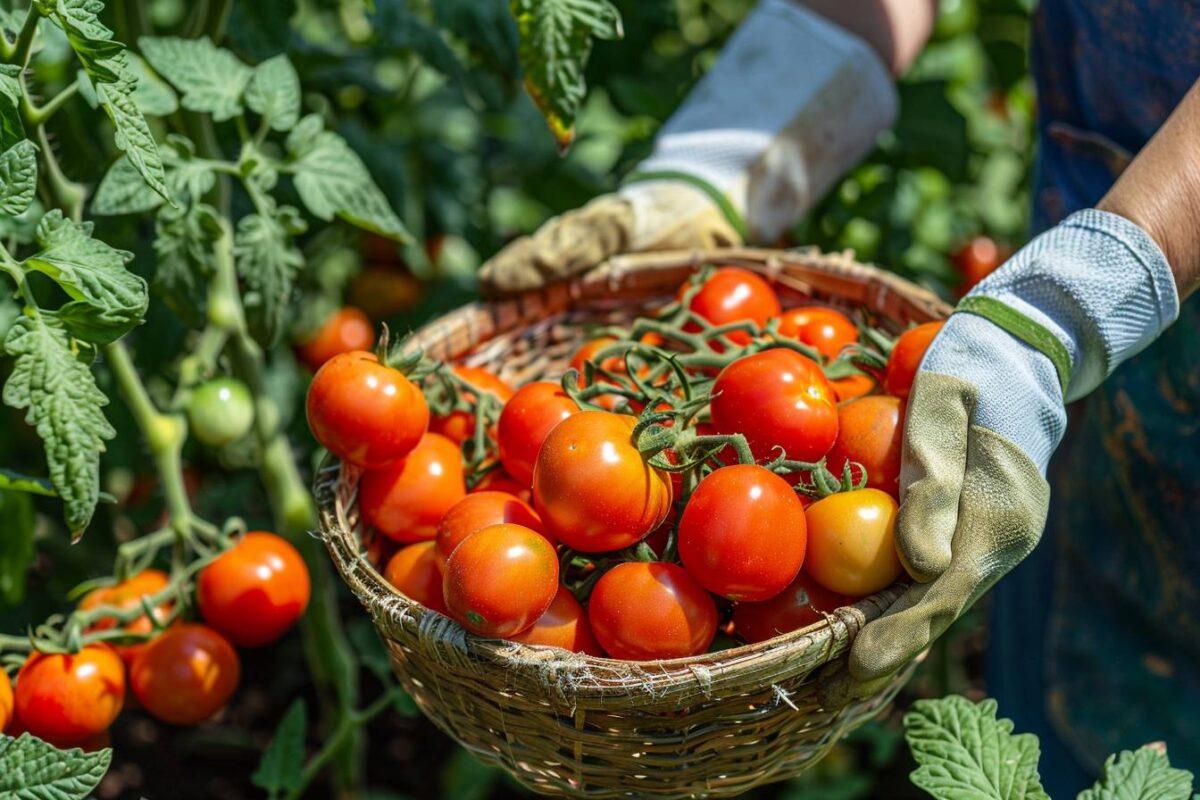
(733,294)
(69,698)
(415,571)
(497,480)
(776,398)
(459,426)
(255,590)
(525,422)
(501,580)
(852,542)
(563,625)
(643,611)
(906,358)
(347,329)
(871,432)
(6,700)
(406,500)
(587,352)
(977,259)
(824,329)
(221,412)
(852,386)
(126,595)
(592,487)
(365,413)
(803,603)
(480,510)
(742,533)
(186,675)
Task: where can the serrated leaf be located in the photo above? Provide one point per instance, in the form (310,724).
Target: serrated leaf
(90,38)
(183,246)
(211,79)
(61,401)
(153,95)
(965,753)
(1143,774)
(122,191)
(274,92)
(268,262)
(12,127)
(31,769)
(133,135)
(282,765)
(23,226)
(18,177)
(16,543)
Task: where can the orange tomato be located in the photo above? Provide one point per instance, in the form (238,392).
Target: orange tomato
(477,511)
(347,329)
(459,426)
(733,294)
(70,698)
(906,357)
(6,700)
(824,329)
(382,290)
(405,501)
(977,259)
(563,625)
(125,595)
(255,590)
(852,386)
(497,480)
(643,611)
(526,421)
(186,675)
(852,542)
(415,571)
(871,432)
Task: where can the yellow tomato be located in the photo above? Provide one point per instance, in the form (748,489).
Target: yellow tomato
(852,542)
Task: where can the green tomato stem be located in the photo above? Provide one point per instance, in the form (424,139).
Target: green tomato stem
(23,47)
(38,115)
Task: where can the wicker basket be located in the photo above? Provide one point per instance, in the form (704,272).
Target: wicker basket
(712,725)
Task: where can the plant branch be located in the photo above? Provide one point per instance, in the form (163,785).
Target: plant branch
(38,115)
(349,724)
(23,47)
(67,194)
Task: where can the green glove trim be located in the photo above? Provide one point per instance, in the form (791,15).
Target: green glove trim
(716,195)
(1027,330)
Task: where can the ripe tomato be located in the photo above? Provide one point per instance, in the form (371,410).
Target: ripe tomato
(459,426)
(524,423)
(365,413)
(852,386)
(497,480)
(500,580)
(587,352)
(480,510)
(415,571)
(346,330)
(126,595)
(801,604)
(742,533)
(6,700)
(776,398)
(824,329)
(871,432)
(852,542)
(186,675)
(642,611)
(563,625)
(592,488)
(977,259)
(69,698)
(221,411)
(383,291)
(906,357)
(255,590)
(406,500)
(733,294)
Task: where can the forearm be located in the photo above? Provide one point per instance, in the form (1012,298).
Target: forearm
(895,29)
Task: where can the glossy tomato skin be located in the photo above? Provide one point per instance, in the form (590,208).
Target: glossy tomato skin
(459,426)
(221,411)
(564,625)
(776,398)
(852,542)
(186,675)
(480,510)
(906,357)
(803,603)
(733,294)
(497,480)
(365,413)
(415,571)
(591,487)
(642,611)
(405,501)
(70,698)
(871,433)
(254,591)
(977,259)
(346,330)
(743,533)
(6,701)
(526,421)
(126,595)
(500,580)
(824,329)
(852,386)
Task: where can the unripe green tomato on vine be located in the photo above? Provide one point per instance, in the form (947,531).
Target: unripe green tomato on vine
(221,412)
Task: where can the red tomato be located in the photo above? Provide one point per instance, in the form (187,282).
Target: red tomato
(801,604)
(365,413)
(524,424)
(852,542)
(742,533)
(415,570)
(824,329)
(405,501)
(871,432)
(592,488)
(852,386)
(501,580)
(977,259)
(126,595)
(733,294)
(186,675)
(587,352)
(497,480)
(906,357)
(563,625)
(459,426)
(346,330)
(480,510)
(776,398)
(644,611)
(69,698)
(6,700)
(255,590)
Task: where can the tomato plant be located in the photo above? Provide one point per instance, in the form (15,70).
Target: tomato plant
(906,357)
(649,610)
(221,412)
(407,500)
(852,542)
(69,698)
(477,511)
(804,602)
(254,591)
(524,424)
(416,571)
(186,675)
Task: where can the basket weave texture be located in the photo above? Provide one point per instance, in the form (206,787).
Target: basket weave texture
(712,725)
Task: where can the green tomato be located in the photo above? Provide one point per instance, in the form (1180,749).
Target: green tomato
(221,412)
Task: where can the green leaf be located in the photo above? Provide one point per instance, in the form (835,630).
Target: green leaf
(153,95)
(89,37)
(211,79)
(18,177)
(23,227)
(183,246)
(399,27)
(268,262)
(332,180)
(12,128)
(1143,774)
(965,753)
(30,769)
(16,482)
(133,135)
(274,92)
(62,403)
(282,764)
(16,542)
(122,191)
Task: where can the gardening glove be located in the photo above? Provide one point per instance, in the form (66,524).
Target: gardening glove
(987,410)
(792,103)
